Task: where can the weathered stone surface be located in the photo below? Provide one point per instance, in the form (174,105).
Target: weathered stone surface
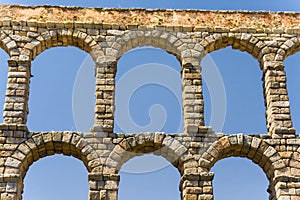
(195,151)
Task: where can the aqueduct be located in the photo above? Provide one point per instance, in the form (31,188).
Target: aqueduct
(106,34)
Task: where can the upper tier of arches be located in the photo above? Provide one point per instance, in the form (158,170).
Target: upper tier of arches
(112,44)
(107,46)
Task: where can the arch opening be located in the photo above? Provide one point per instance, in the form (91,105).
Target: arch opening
(3,80)
(292,73)
(139,173)
(62,89)
(233,104)
(239,178)
(148,92)
(56,177)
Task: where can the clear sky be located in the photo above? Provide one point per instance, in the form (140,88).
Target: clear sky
(64,71)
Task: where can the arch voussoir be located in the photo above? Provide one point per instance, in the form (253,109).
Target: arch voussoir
(189,35)
(240,41)
(49,143)
(139,38)
(61,37)
(140,144)
(239,145)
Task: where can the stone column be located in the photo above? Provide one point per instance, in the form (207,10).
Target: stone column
(285,188)
(103,187)
(105,88)
(17,92)
(276,99)
(197,186)
(10,190)
(193,106)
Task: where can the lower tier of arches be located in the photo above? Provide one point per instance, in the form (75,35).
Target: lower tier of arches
(103,155)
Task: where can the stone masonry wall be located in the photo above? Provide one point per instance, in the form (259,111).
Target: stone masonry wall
(106,34)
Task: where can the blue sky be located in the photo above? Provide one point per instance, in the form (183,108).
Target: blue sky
(61,71)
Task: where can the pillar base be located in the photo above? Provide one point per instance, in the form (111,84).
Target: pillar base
(283,132)
(14,127)
(194,129)
(102,128)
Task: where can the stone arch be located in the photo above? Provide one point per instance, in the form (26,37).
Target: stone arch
(54,177)
(159,39)
(175,43)
(240,41)
(8,44)
(60,38)
(288,48)
(157,143)
(252,147)
(63,37)
(41,145)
